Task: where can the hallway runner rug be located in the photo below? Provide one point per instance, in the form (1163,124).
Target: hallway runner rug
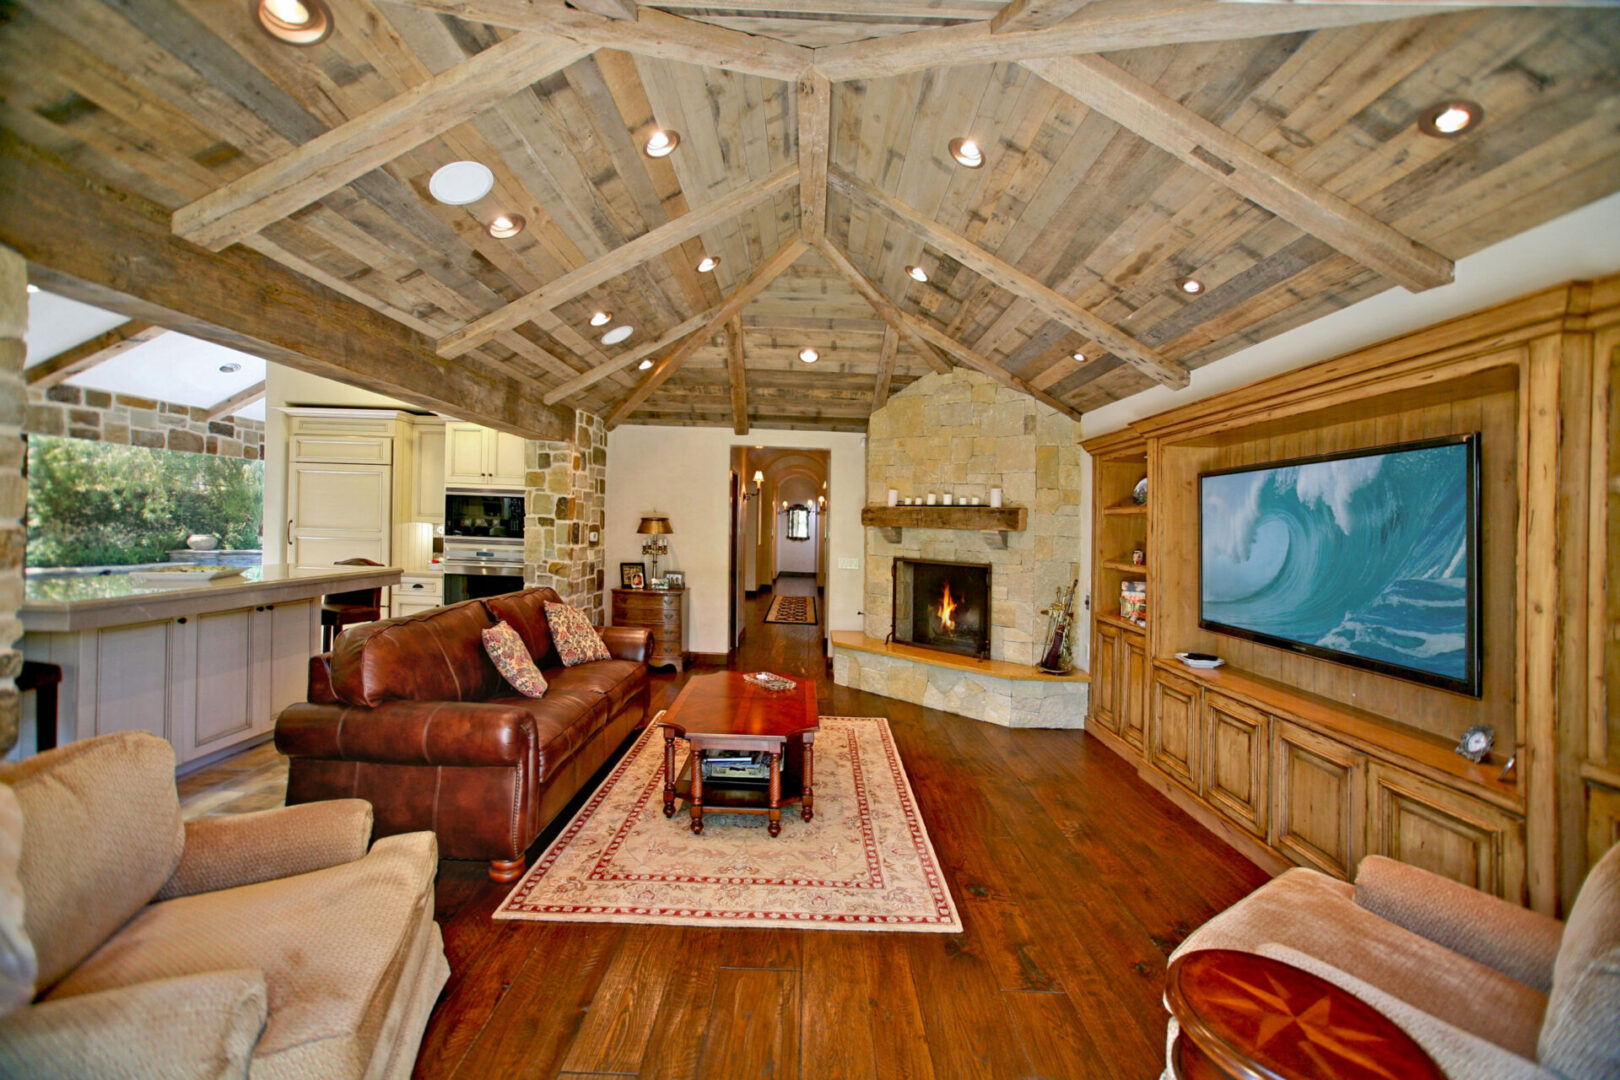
(792,609)
(863,863)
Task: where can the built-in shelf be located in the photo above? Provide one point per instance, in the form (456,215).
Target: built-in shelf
(1128,567)
(994,521)
(1129,508)
(1123,624)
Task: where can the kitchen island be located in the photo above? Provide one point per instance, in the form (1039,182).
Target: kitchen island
(205,665)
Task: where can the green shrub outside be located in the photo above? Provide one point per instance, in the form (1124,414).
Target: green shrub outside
(104,504)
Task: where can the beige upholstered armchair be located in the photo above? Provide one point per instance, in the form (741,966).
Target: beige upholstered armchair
(1489,989)
(265,945)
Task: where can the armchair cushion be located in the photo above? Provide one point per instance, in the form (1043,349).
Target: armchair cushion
(1509,938)
(103,834)
(364,931)
(1582,1034)
(241,849)
(196,1027)
(577,640)
(17,963)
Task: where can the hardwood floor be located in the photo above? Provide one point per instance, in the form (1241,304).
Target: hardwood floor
(1075,880)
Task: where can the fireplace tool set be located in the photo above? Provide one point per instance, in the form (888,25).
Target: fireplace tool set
(1058,656)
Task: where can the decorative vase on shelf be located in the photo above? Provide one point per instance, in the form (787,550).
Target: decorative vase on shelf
(1139,492)
(202,542)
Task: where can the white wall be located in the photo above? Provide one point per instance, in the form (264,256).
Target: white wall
(797,556)
(682,472)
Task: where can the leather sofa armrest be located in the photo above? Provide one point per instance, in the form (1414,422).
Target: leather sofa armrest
(627,642)
(192,1027)
(320,680)
(1519,943)
(409,733)
(240,849)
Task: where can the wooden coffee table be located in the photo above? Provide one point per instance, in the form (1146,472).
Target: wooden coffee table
(724,711)
(1243,1015)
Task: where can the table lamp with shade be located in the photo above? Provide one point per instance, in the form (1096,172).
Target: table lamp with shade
(655,527)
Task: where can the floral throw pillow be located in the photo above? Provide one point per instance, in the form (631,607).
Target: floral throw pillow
(507,651)
(577,640)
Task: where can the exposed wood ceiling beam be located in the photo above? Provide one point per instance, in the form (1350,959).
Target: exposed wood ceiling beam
(237,401)
(653,33)
(1033,14)
(881,304)
(1052,303)
(92,243)
(349,151)
(1216,153)
(565,390)
(98,350)
(621,259)
(815,128)
(1105,26)
(737,375)
(741,297)
(609,9)
(919,329)
(885,372)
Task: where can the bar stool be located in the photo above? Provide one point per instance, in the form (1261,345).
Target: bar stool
(346,608)
(43,679)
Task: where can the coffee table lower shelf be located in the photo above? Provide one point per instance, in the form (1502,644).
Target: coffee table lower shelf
(745,797)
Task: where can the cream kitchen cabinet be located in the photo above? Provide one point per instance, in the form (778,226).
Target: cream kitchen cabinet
(427,483)
(337,512)
(476,456)
(417,592)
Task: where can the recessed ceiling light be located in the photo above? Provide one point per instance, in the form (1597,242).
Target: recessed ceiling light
(230,368)
(1190,286)
(809,356)
(916,273)
(601,318)
(506,226)
(461,182)
(708,263)
(1079,357)
(32,287)
(1449,119)
(616,335)
(663,143)
(294,22)
(967,152)
(645,364)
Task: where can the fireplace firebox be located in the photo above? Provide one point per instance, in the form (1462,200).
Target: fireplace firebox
(942,605)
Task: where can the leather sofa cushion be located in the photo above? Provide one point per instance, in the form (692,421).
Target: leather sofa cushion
(101,834)
(617,680)
(525,612)
(437,655)
(563,721)
(332,981)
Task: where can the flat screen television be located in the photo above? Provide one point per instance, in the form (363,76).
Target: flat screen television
(1369,558)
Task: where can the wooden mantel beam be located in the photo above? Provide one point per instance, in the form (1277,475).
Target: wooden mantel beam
(349,151)
(98,350)
(1004,275)
(735,359)
(648,245)
(784,257)
(92,243)
(1218,154)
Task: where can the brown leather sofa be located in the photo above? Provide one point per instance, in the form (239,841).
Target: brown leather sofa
(411,715)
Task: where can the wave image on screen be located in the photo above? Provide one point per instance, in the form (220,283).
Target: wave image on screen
(1369,559)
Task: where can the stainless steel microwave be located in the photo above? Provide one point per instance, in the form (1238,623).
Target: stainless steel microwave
(490,517)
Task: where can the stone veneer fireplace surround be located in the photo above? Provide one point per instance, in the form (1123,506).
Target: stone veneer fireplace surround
(942,605)
(964,432)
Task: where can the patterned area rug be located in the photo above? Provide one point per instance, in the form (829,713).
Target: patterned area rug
(863,863)
(792,609)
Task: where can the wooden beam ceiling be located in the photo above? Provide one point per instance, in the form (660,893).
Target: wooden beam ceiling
(885,374)
(98,350)
(815,128)
(564,391)
(621,259)
(237,401)
(1216,153)
(1034,14)
(738,377)
(91,243)
(1014,280)
(885,308)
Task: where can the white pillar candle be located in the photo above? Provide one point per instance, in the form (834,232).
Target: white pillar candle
(894,497)
(947,498)
(995,496)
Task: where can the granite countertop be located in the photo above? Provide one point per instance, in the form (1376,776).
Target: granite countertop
(69,604)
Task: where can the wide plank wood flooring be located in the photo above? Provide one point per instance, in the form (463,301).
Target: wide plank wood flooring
(1075,880)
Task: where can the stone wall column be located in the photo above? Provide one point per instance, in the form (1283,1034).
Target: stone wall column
(13,490)
(567,496)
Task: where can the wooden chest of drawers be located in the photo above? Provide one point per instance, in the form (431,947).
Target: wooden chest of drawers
(662,611)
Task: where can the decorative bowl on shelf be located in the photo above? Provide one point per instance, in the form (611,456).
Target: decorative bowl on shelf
(202,542)
(1199,660)
(1139,492)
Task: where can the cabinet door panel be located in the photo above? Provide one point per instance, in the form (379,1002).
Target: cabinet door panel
(1448,832)
(339,512)
(1235,761)
(294,637)
(223,682)
(1318,799)
(506,460)
(464,456)
(342,448)
(1133,689)
(1105,678)
(1173,742)
(131,685)
(427,493)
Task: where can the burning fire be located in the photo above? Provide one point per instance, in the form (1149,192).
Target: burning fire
(947,606)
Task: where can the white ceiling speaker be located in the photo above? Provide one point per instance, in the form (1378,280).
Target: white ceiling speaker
(461,182)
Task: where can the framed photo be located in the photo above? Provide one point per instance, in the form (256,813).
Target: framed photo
(675,579)
(658,583)
(632,575)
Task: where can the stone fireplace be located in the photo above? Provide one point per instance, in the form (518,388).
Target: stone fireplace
(963,434)
(942,605)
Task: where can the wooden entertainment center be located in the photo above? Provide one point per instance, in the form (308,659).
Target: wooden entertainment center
(1299,760)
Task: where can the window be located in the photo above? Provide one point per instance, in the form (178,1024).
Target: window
(798,523)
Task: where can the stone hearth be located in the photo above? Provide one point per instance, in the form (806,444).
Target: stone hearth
(964,433)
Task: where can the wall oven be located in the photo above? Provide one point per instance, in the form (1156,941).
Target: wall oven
(473,573)
(483,543)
